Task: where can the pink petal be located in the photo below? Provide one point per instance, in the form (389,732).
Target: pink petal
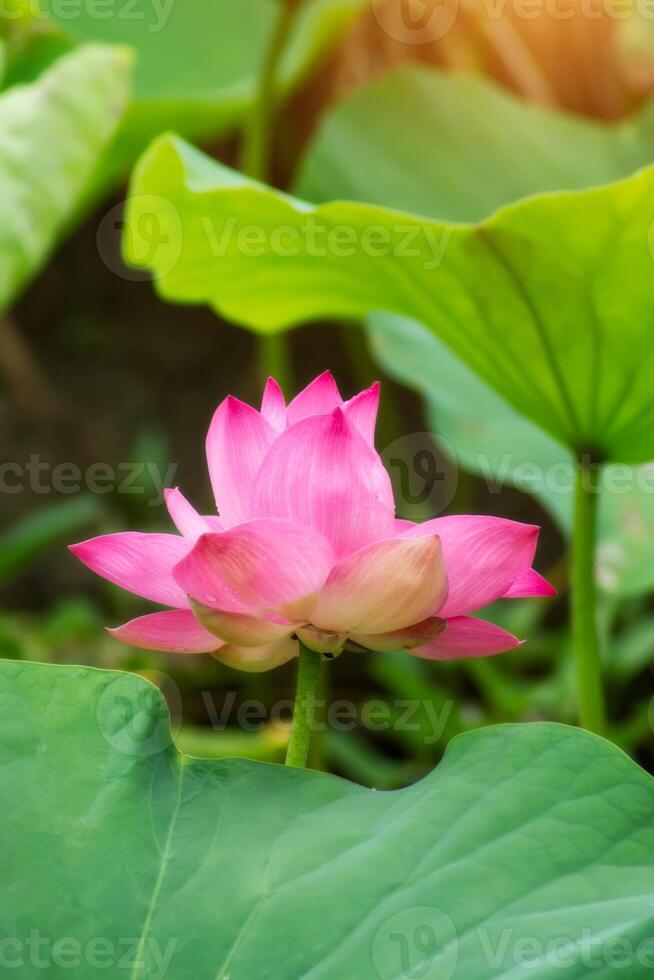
(466,637)
(255,566)
(400,525)
(483,556)
(322,473)
(254,660)
(529,583)
(175,631)
(140,563)
(362,411)
(213,523)
(273,406)
(405,639)
(386,586)
(243,629)
(185,517)
(237,442)
(320,397)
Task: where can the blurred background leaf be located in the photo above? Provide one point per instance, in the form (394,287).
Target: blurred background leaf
(53,133)
(197,63)
(447,146)
(567,346)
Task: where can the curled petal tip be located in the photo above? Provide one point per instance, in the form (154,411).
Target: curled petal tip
(530,584)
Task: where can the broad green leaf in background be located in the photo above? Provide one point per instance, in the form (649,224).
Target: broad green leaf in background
(458,148)
(52,134)
(486,436)
(550,300)
(528,852)
(198,61)
(444,145)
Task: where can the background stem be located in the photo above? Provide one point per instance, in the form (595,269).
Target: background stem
(273,360)
(273,355)
(256,150)
(24,377)
(584,599)
(308,676)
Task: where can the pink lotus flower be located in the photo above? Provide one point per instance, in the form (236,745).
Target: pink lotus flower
(307,546)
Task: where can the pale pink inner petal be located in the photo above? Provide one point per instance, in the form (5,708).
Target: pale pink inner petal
(386,586)
(404,639)
(467,637)
(258,565)
(184,516)
(330,644)
(483,556)
(322,473)
(243,629)
(319,397)
(140,563)
(362,412)
(254,660)
(273,405)
(174,630)
(530,583)
(237,442)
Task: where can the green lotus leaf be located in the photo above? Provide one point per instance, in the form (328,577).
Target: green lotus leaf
(529,851)
(481,432)
(458,147)
(198,60)
(549,300)
(444,145)
(53,132)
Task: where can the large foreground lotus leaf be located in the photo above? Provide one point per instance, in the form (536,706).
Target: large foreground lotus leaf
(528,852)
(481,432)
(550,300)
(458,148)
(53,132)
(198,60)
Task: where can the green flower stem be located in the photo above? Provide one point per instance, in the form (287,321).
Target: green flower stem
(273,356)
(256,152)
(308,677)
(274,360)
(585,635)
